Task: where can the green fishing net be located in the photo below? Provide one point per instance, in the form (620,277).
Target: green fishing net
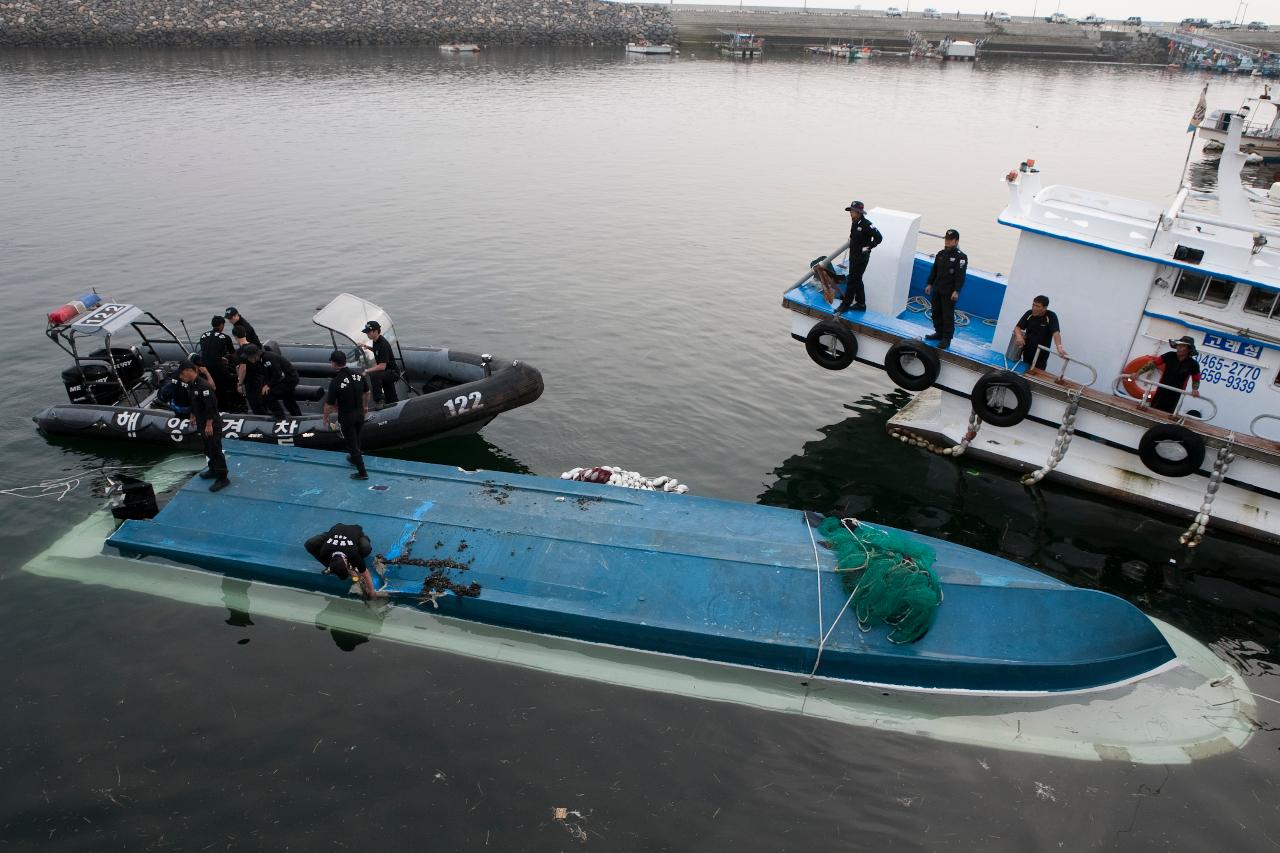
(891,577)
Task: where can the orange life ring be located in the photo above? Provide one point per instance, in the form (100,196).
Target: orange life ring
(1132,387)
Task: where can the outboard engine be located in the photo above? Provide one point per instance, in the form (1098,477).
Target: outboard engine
(93,383)
(128,363)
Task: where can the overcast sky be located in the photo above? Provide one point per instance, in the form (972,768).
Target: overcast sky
(1155,10)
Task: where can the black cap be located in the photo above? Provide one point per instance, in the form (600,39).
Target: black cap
(230,311)
(338,562)
(952,234)
(1184,341)
(338,357)
(196,359)
(249,351)
(372,326)
(858,206)
(186,364)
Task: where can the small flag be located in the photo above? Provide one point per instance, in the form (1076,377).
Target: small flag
(1198,115)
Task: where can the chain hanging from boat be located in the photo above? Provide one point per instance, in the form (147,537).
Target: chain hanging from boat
(975,423)
(1061,441)
(891,575)
(1194,534)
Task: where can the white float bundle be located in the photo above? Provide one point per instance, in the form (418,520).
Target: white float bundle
(612,475)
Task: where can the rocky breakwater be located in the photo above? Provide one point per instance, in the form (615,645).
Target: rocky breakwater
(245,22)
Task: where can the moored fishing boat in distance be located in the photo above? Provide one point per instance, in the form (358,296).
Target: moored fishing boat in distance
(741,45)
(1261,132)
(641,45)
(1126,279)
(460,47)
(123,357)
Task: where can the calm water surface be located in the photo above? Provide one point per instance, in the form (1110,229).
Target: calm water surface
(629,227)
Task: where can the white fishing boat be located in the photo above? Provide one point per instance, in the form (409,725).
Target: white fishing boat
(1261,133)
(960,51)
(1126,278)
(643,46)
(460,48)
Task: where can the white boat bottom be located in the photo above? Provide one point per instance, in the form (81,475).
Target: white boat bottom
(942,418)
(1196,708)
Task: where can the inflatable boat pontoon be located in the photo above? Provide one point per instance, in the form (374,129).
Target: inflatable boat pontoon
(113,385)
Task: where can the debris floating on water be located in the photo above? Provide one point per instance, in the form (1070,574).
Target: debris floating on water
(613,475)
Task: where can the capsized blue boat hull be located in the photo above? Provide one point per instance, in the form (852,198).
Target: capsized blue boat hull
(716,580)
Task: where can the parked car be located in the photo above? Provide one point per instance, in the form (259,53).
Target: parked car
(1002,17)
(1057,18)
(1256,25)
(934,13)
(1094,20)
(1133,21)
(1224,24)
(893,12)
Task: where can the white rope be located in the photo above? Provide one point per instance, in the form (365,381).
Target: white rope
(822,644)
(817,566)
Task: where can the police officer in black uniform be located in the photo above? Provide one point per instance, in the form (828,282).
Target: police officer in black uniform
(280,381)
(208,423)
(219,355)
(249,375)
(945,281)
(385,372)
(349,397)
(234,318)
(863,237)
(342,549)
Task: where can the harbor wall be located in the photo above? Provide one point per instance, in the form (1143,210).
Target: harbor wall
(790,27)
(249,22)
(795,28)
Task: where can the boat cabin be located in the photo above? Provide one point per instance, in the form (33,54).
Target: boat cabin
(1125,277)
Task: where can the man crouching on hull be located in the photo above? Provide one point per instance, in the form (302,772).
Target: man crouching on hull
(342,549)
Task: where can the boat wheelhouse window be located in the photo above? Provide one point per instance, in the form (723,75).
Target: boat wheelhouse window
(1263,302)
(1202,288)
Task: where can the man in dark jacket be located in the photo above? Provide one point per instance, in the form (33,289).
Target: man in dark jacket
(385,372)
(1037,328)
(341,550)
(234,318)
(219,354)
(945,281)
(349,397)
(1176,368)
(207,420)
(863,237)
(272,378)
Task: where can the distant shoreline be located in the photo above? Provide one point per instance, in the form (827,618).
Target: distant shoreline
(201,23)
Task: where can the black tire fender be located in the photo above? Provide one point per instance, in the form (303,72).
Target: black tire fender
(905,355)
(1191,444)
(831,345)
(999,384)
